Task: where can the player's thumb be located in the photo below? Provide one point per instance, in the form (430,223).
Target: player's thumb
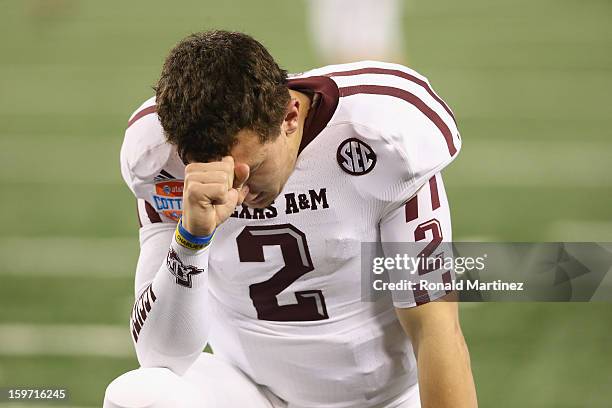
(241,175)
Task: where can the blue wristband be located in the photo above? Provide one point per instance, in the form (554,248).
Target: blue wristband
(194,239)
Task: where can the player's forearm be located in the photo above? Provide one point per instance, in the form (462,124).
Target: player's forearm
(445,375)
(169,322)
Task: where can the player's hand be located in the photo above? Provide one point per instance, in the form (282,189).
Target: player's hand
(211,193)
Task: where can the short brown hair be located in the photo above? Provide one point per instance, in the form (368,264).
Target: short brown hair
(214,84)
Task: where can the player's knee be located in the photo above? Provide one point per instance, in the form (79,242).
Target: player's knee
(151,388)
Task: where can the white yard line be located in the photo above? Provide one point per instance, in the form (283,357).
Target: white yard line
(476,238)
(520,163)
(482,163)
(581,231)
(65,340)
(69,256)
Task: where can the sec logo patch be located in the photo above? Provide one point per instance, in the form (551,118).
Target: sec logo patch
(355,157)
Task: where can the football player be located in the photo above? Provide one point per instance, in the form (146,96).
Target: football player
(255,193)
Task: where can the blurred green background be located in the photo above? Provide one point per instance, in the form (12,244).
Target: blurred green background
(529,82)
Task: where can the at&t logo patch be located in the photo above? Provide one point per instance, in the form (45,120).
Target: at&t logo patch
(356,157)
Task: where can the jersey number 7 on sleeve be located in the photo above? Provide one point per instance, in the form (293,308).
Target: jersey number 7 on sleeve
(310,303)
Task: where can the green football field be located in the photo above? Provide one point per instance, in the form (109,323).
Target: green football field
(529,81)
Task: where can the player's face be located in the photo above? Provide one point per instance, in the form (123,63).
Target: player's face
(270,164)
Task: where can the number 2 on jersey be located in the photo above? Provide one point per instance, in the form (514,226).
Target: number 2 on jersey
(310,303)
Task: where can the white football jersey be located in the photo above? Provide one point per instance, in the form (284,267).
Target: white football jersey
(285,282)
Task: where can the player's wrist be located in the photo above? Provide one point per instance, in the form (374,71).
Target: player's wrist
(191,241)
(194,228)
(187,259)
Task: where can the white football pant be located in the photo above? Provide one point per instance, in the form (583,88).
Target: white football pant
(209,382)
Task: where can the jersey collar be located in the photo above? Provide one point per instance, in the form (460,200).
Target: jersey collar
(324,94)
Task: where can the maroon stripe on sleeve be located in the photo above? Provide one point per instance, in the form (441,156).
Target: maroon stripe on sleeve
(152,214)
(410,98)
(144,112)
(446,279)
(412,209)
(433,189)
(138,214)
(421,296)
(401,74)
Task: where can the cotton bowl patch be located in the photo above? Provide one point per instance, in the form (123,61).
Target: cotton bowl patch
(168,198)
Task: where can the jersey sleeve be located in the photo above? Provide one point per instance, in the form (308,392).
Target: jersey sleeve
(405,132)
(420,227)
(425,147)
(169,322)
(151,169)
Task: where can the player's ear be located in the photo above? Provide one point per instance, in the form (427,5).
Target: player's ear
(291,118)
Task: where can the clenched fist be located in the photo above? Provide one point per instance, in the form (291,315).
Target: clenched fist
(211,193)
